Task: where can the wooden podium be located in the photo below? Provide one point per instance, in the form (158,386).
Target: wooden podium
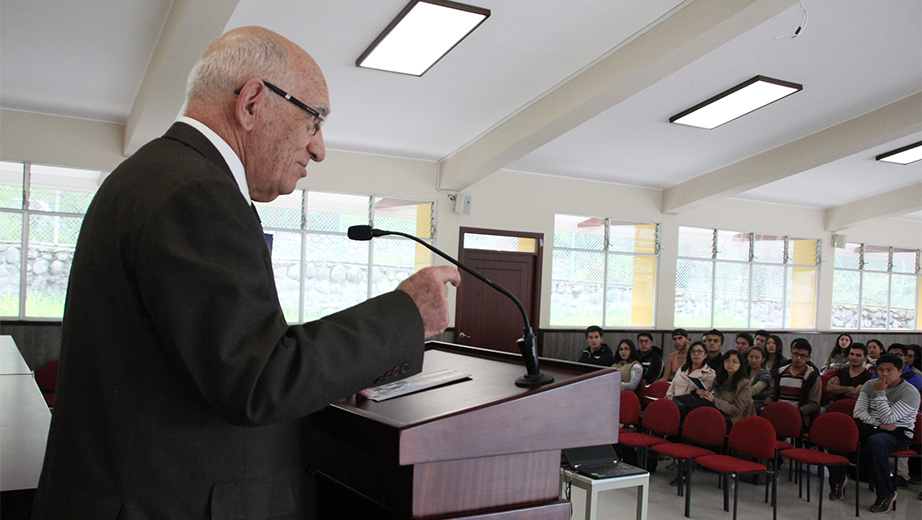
(476,449)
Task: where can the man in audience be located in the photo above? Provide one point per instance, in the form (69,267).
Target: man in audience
(596,352)
(744,343)
(899,350)
(680,341)
(651,358)
(714,339)
(760,338)
(885,414)
(846,382)
(798,382)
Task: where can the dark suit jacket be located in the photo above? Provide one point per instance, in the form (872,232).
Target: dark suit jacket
(183,391)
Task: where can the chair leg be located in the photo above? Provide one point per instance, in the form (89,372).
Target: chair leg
(857,480)
(775,493)
(807,478)
(726,481)
(736,492)
(819,515)
(800,481)
(688,474)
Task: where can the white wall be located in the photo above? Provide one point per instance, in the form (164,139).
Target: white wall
(505,200)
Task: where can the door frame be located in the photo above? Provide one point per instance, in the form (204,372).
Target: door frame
(535,311)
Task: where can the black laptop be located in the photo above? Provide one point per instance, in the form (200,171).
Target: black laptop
(599,462)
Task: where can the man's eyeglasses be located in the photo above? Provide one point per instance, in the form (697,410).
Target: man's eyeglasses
(318,118)
(799,355)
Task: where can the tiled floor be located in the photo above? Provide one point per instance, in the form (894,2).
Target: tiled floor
(707,501)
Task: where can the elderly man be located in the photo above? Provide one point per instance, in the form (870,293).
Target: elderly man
(183,391)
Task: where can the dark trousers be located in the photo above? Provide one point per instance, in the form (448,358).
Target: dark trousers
(877,448)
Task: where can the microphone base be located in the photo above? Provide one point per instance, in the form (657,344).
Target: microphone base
(530,381)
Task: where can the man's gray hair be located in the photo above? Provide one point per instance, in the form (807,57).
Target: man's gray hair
(230,61)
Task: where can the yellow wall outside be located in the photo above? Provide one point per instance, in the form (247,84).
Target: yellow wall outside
(644,288)
(423,227)
(803,285)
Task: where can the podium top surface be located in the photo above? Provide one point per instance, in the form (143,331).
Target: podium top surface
(486,414)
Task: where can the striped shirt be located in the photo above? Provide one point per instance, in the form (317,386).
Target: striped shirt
(897,405)
(789,386)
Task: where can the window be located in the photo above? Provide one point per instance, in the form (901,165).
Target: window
(727,279)
(604,272)
(319,271)
(41,211)
(875,288)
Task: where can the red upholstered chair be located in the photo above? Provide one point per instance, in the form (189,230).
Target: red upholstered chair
(47,380)
(838,434)
(913,451)
(751,437)
(661,418)
(629,414)
(846,406)
(788,424)
(702,427)
(655,391)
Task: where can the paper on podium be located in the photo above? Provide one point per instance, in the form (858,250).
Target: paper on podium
(415,383)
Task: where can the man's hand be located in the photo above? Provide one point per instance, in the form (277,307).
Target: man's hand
(888,427)
(428,290)
(834,380)
(881,384)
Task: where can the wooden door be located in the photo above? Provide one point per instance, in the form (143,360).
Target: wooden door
(485,317)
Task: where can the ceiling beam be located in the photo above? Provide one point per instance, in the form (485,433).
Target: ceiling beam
(670,44)
(886,205)
(189,28)
(894,121)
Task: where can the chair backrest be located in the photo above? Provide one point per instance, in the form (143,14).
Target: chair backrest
(846,406)
(753,437)
(785,419)
(630,408)
(658,389)
(836,432)
(662,417)
(705,426)
(47,377)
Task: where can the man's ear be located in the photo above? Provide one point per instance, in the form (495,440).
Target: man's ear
(248,104)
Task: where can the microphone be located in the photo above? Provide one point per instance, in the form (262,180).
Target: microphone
(527,344)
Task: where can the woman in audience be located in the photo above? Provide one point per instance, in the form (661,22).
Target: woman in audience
(628,363)
(694,368)
(838,358)
(913,358)
(774,347)
(732,392)
(759,378)
(875,349)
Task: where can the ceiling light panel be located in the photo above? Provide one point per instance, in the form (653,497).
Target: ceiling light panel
(738,101)
(420,35)
(905,155)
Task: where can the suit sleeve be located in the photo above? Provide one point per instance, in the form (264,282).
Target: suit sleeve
(205,277)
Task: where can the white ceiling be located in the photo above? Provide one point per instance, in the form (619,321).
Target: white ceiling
(90,59)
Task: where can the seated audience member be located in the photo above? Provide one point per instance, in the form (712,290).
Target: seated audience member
(714,340)
(651,357)
(885,414)
(913,358)
(774,349)
(677,359)
(596,352)
(628,364)
(760,338)
(899,350)
(838,357)
(759,377)
(875,349)
(732,392)
(694,368)
(744,343)
(846,382)
(798,383)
